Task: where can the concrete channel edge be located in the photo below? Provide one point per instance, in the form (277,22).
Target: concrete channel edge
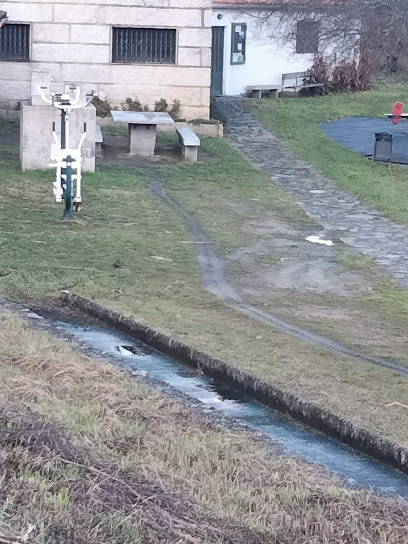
(306,412)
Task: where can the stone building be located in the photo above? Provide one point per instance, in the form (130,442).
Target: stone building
(144,49)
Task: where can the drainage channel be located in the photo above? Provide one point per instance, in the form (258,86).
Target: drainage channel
(295,438)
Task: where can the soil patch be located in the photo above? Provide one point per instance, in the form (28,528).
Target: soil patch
(281,258)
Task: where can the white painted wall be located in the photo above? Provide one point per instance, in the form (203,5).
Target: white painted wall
(266,59)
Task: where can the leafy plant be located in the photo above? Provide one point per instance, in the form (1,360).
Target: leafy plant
(174,111)
(134,104)
(103,107)
(161,105)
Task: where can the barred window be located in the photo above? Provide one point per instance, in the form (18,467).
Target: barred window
(15,42)
(144,45)
(307,36)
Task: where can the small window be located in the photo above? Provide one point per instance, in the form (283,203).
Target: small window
(15,42)
(144,45)
(307,36)
(238,43)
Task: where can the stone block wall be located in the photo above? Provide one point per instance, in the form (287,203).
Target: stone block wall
(72,41)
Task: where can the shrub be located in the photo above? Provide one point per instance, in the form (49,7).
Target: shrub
(134,104)
(320,71)
(345,76)
(174,111)
(103,107)
(161,105)
(350,76)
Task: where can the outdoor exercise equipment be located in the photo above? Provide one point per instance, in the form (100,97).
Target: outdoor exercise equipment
(67,160)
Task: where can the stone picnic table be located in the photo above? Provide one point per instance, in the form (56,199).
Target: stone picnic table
(142,129)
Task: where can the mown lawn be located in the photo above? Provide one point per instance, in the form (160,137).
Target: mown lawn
(130,253)
(297,121)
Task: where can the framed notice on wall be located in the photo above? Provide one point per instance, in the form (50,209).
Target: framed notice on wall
(238,43)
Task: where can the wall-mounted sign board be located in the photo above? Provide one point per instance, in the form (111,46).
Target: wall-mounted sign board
(238,43)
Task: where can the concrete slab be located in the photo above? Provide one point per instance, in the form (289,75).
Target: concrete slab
(36,135)
(142,117)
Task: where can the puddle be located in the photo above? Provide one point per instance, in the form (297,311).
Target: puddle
(295,438)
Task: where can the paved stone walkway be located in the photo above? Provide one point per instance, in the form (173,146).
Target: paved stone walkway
(342,215)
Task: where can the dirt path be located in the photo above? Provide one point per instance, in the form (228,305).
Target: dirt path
(214,280)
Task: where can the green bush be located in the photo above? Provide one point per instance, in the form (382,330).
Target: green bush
(174,111)
(161,105)
(134,104)
(103,107)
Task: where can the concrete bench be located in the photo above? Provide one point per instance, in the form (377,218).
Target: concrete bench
(98,141)
(190,143)
(300,81)
(269,90)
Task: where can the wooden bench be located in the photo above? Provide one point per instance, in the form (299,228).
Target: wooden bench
(190,143)
(258,90)
(299,82)
(98,141)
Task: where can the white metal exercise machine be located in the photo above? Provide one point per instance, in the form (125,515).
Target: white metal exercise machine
(67,160)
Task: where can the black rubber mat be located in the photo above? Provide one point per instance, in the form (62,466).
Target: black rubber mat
(358,134)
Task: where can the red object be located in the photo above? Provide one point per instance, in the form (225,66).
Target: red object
(396,112)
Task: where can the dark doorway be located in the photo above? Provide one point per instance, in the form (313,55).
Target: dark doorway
(217,60)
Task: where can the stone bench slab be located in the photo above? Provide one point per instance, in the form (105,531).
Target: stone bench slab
(188,136)
(189,143)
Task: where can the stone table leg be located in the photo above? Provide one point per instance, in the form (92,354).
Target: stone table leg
(142,140)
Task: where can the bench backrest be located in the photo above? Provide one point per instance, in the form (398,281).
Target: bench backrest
(188,136)
(294,75)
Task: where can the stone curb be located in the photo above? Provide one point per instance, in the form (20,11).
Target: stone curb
(335,426)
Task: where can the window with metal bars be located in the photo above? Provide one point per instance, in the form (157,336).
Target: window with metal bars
(144,45)
(15,42)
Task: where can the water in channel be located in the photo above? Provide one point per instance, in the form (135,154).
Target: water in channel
(295,438)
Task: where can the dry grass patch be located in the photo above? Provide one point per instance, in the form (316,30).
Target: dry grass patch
(71,449)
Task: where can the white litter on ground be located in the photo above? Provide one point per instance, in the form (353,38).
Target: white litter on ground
(318,240)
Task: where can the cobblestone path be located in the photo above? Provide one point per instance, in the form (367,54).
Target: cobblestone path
(343,216)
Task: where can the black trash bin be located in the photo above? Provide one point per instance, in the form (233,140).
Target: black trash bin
(382,147)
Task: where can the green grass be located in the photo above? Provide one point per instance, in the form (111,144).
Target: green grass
(298,120)
(129,252)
